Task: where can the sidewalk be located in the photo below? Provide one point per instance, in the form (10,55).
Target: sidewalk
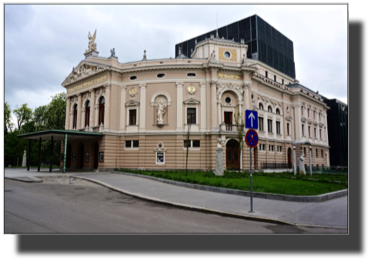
(331,213)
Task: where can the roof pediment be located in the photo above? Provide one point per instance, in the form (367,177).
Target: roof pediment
(82,71)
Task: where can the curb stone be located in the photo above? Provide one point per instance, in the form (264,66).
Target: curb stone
(318,198)
(185,206)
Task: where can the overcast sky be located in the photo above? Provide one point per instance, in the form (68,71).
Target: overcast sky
(44,42)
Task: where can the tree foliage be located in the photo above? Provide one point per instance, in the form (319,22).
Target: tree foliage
(45,117)
(23,114)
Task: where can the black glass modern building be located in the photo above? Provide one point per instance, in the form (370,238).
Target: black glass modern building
(337,123)
(265,43)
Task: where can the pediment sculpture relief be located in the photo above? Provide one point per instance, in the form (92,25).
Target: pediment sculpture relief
(82,71)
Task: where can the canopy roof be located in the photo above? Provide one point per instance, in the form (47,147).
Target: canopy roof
(59,135)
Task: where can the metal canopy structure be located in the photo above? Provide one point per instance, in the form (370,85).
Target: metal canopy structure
(57,135)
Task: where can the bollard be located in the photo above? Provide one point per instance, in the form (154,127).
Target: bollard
(71,179)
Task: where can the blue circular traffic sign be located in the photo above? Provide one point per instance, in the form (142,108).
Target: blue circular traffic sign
(251,138)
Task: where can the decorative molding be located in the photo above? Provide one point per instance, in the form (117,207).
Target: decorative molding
(132,103)
(288,118)
(229,76)
(82,71)
(191,101)
(142,85)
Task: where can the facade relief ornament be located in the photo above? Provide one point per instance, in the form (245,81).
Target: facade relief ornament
(213,82)
(303,119)
(83,71)
(288,118)
(246,85)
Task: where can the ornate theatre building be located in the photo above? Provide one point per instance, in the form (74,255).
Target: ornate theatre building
(148,112)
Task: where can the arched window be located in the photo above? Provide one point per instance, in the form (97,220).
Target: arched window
(101,111)
(261,107)
(278,111)
(75,116)
(269,109)
(87,114)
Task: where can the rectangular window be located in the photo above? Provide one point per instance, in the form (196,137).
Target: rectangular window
(262,147)
(266,74)
(303,130)
(132,117)
(271,148)
(186,143)
(279,148)
(132,144)
(191,116)
(275,78)
(316,152)
(261,124)
(196,143)
(322,153)
(314,114)
(320,134)
(308,113)
(315,133)
(302,110)
(278,130)
(288,129)
(282,81)
(269,126)
(309,131)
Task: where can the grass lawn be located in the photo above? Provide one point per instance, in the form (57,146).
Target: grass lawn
(274,183)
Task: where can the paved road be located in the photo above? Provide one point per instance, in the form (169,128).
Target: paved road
(54,206)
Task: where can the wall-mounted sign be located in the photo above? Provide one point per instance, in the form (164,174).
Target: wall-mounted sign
(87,157)
(101,156)
(160,157)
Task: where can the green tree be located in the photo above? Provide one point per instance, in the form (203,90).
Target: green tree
(7,118)
(55,113)
(39,117)
(24,115)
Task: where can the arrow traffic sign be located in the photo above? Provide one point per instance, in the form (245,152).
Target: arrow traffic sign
(251,138)
(251,119)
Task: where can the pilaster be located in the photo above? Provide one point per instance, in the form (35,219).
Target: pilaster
(122,107)
(203,106)
(107,106)
(142,106)
(179,106)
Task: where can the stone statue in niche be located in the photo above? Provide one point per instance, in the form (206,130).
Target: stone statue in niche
(161,109)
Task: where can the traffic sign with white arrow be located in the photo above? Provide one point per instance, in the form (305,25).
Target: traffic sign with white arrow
(251,119)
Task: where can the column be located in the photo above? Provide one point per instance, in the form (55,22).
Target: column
(327,134)
(92,109)
(68,117)
(71,119)
(219,112)
(83,119)
(311,166)
(246,96)
(122,108)
(179,106)
(203,106)
(96,114)
(142,106)
(266,124)
(107,106)
(79,112)
(327,159)
(297,121)
(294,160)
(214,123)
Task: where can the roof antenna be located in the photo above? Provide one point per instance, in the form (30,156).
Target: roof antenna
(217,35)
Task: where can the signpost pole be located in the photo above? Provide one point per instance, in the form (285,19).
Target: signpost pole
(64,155)
(250,159)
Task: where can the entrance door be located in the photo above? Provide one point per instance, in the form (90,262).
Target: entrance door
(289,158)
(80,154)
(68,156)
(233,155)
(228,120)
(96,153)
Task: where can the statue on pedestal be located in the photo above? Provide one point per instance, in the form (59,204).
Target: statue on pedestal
(24,159)
(302,164)
(91,42)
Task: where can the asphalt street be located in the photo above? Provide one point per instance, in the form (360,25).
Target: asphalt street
(55,206)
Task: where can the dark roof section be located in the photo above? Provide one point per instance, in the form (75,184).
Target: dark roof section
(59,135)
